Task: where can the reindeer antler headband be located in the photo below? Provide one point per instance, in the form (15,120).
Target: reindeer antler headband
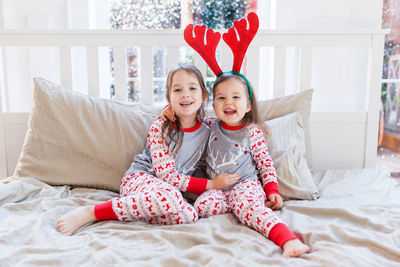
(238,46)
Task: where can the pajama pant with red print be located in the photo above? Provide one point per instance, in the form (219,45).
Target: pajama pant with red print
(146,198)
(246,201)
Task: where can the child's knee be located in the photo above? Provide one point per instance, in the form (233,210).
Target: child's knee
(125,186)
(190,214)
(201,206)
(171,201)
(209,205)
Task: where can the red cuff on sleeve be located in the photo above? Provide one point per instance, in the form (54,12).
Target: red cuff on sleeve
(105,211)
(280,234)
(271,188)
(197,185)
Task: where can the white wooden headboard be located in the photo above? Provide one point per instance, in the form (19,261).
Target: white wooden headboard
(340,138)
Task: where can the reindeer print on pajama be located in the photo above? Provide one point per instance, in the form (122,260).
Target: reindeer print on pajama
(145,197)
(242,150)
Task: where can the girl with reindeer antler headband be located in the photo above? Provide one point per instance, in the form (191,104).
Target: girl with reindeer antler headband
(236,144)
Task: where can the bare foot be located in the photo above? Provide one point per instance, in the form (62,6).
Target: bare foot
(73,220)
(294,248)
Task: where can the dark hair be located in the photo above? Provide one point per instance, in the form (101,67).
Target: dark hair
(252,115)
(174,129)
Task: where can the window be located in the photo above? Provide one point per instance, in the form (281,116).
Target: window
(140,14)
(391,68)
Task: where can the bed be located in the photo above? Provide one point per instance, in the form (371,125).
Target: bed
(347,217)
(355,222)
(76,147)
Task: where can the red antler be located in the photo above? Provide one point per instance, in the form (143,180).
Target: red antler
(206,51)
(239,47)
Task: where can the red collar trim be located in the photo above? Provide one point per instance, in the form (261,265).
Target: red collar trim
(190,130)
(232,128)
(194,128)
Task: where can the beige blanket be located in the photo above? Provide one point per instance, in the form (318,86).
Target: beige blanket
(356,222)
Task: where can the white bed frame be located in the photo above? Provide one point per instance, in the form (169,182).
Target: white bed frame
(339,139)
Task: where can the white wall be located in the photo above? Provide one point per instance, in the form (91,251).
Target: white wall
(346,71)
(328,14)
(17,12)
(58,14)
(24,63)
(20,62)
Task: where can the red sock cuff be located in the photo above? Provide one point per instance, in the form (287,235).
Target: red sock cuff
(280,234)
(105,211)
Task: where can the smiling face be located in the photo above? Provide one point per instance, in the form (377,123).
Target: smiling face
(231,101)
(185,95)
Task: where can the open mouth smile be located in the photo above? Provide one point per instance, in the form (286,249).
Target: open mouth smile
(229,111)
(186,104)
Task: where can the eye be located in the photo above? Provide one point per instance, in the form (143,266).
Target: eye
(236,96)
(176,90)
(220,98)
(193,88)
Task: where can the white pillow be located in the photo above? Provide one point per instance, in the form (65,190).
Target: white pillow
(77,140)
(287,149)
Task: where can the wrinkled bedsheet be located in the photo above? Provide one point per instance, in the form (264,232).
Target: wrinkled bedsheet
(355,222)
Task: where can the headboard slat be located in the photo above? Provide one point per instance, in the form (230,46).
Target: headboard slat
(279,71)
(120,73)
(172,57)
(305,67)
(146,74)
(201,65)
(253,68)
(66,66)
(92,56)
(226,57)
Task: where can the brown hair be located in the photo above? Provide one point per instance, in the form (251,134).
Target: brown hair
(174,130)
(252,115)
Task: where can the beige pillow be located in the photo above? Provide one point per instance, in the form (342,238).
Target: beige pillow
(278,107)
(77,140)
(287,148)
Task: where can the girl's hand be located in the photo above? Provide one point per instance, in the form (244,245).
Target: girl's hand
(167,114)
(222,181)
(274,202)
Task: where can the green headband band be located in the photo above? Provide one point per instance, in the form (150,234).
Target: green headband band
(244,78)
